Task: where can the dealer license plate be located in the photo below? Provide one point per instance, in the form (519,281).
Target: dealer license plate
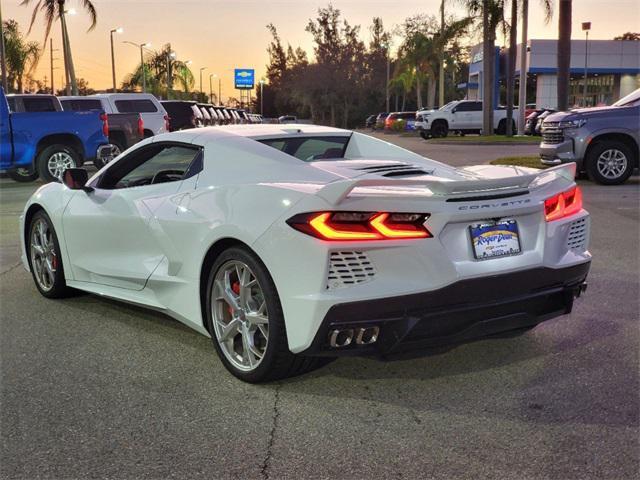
(495,239)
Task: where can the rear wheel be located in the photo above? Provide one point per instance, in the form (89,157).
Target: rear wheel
(52,161)
(609,162)
(23,175)
(116,149)
(246,322)
(439,129)
(44,257)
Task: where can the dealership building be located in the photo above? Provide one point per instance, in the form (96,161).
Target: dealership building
(613,71)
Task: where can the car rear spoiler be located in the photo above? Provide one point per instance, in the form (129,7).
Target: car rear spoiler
(336,192)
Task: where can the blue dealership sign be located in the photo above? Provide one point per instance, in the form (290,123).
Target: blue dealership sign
(244,78)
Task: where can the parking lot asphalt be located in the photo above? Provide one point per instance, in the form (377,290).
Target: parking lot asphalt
(91,388)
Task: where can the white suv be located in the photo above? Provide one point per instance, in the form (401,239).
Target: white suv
(154,116)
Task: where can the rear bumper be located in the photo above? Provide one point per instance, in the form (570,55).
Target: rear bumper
(460,312)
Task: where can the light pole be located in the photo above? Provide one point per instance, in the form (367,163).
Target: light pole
(201,70)
(586,26)
(215,75)
(211,75)
(143,69)
(387,48)
(113,57)
(262,96)
(522,89)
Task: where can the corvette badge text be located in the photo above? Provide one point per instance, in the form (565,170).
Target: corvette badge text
(495,205)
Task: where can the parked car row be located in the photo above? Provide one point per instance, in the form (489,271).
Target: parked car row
(119,120)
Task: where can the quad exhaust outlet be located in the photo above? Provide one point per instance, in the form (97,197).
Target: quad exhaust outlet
(362,336)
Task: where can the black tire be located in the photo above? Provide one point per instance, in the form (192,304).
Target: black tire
(502,127)
(59,288)
(601,149)
(119,148)
(439,129)
(23,175)
(71,157)
(277,362)
(424,135)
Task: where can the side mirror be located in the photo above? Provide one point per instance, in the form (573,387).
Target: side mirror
(75,178)
(454,110)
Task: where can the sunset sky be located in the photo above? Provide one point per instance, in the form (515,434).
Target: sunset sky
(223,34)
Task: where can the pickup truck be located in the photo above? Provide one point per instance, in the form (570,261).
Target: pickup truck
(603,141)
(28,102)
(45,144)
(463,116)
(125,129)
(155,117)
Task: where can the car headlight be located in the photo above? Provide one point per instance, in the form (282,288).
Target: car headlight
(571,123)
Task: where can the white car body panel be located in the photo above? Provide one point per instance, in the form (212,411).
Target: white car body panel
(146,245)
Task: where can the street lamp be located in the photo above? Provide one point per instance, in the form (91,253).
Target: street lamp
(261,96)
(201,70)
(215,75)
(142,65)
(113,57)
(586,26)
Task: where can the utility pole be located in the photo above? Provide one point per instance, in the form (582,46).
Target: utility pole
(3,58)
(441,76)
(522,91)
(51,50)
(113,57)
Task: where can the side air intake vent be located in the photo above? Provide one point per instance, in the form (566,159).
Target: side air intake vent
(578,234)
(349,268)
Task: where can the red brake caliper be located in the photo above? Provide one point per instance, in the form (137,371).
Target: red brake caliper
(236,289)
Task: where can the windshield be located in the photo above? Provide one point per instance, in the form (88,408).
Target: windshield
(630,100)
(449,105)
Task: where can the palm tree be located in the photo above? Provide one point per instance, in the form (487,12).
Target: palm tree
(53,9)
(547,5)
(21,56)
(403,82)
(492,17)
(155,70)
(564,53)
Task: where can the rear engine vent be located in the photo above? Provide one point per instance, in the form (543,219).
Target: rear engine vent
(395,170)
(349,268)
(578,234)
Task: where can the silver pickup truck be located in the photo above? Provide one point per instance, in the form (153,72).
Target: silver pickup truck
(603,141)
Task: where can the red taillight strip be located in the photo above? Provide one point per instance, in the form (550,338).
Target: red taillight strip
(563,204)
(319,224)
(341,226)
(379,222)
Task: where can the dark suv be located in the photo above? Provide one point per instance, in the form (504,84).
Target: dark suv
(603,141)
(181,114)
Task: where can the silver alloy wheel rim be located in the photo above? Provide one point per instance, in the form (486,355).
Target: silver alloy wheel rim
(612,163)
(44,260)
(59,162)
(240,317)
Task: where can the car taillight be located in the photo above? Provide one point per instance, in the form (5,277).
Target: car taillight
(105,124)
(167,123)
(140,126)
(563,204)
(342,226)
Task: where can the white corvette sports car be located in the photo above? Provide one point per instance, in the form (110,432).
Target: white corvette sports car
(288,244)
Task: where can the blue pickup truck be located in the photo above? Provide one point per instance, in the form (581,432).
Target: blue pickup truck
(44,144)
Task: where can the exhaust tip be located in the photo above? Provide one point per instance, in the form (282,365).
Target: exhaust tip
(340,338)
(367,336)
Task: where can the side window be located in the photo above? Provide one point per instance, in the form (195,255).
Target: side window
(152,165)
(136,106)
(463,107)
(32,104)
(476,107)
(12,104)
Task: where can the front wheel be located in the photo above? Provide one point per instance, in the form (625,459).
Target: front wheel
(439,130)
(45,261)
(246,322)
(53,160)
(609,162)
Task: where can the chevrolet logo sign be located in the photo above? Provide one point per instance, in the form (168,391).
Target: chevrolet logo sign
(244,74)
